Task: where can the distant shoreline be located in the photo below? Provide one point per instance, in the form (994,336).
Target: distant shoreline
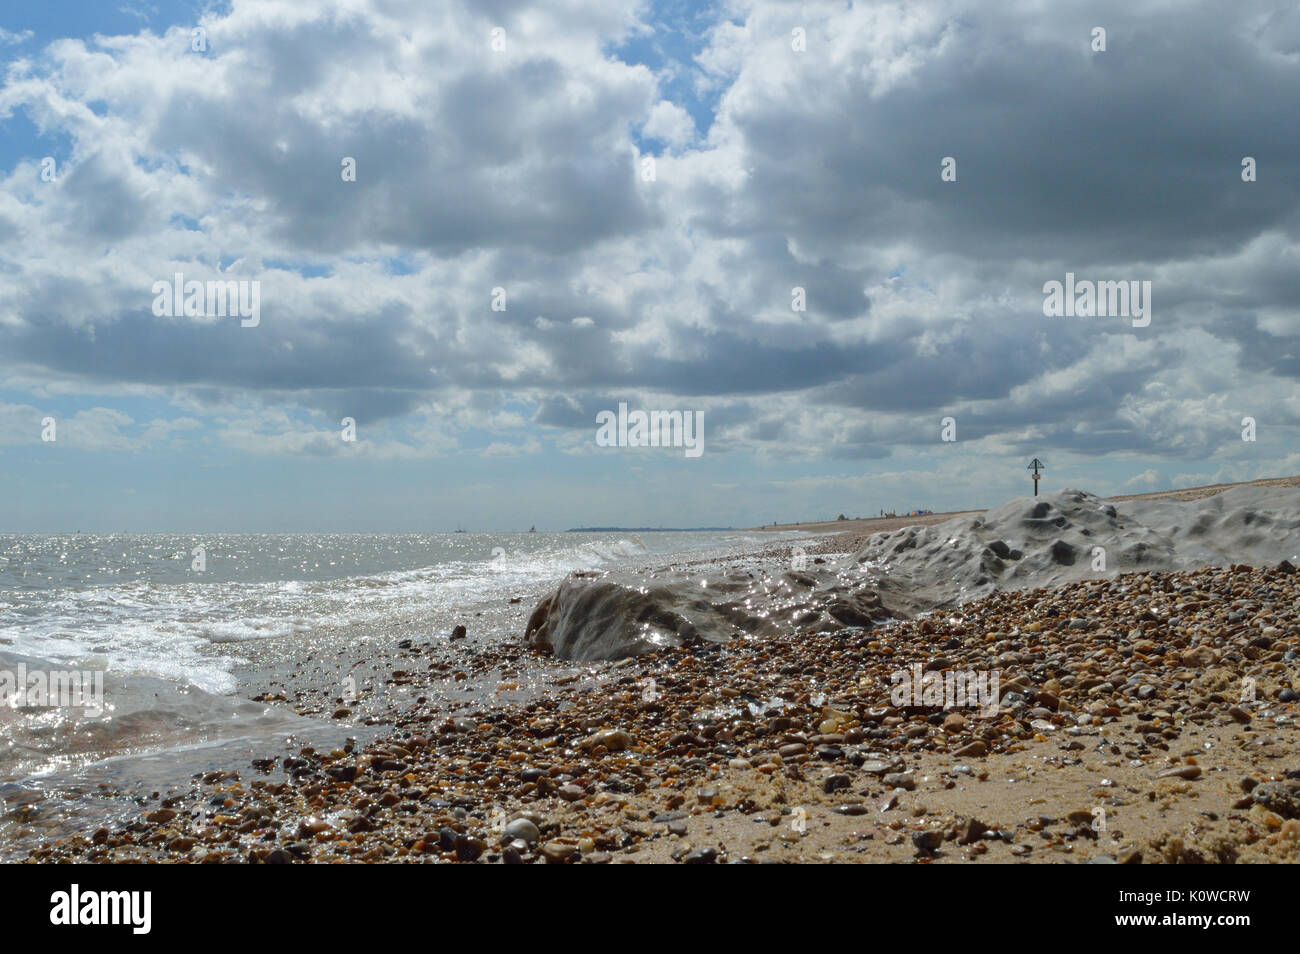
(646,529)
(868,525)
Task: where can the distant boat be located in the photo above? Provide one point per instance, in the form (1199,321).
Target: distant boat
(532,529)
(458,529)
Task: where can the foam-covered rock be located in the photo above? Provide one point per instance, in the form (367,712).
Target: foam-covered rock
(1026,543)
(609,617)
(1067,536)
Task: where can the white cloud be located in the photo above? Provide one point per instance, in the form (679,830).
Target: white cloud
(671,123)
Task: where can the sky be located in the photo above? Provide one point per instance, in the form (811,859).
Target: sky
(558,208)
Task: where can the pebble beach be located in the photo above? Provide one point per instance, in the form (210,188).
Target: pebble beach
(1143,718)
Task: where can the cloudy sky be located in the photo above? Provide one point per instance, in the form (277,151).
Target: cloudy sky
(501,145)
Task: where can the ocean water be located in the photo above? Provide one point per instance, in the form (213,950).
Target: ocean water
(170,635)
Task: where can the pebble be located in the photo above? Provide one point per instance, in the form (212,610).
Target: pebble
(1281,798)
(879,766)
(972,831)
(523,830)
(834,783)
(558,853)
(701,856)
(927,842)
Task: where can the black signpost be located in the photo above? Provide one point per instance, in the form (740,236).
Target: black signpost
(1036,465)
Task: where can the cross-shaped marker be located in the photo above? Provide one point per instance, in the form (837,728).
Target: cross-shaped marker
(1035,465)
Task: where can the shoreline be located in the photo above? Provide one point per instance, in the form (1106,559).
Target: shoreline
(785,750)
(729,752)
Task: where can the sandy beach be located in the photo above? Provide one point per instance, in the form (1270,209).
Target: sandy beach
(1143,717)
(857,529)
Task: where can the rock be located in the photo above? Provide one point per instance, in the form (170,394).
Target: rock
(976,748)
(927,842)
(522,829)
(971,832)
(278,856)
(468,848)
(834,783)
(834,720)
(360,823)
(1181,771)
(572,793)
(954,722)
(558,853)
(701,856)
(903,780)
(343,773)
(664,818)
(1238,713)
(615,740)
(588,619)
(341,713)
(858,609)
(1281,798)
(310,827)
(851,809)
(879,767)
(1200,658)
